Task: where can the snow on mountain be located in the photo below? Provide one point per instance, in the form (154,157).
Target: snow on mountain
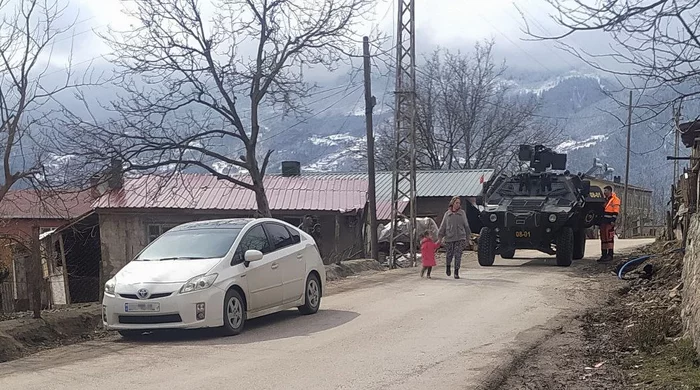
(571,145)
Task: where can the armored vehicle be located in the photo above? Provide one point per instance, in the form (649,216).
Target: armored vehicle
(545,208)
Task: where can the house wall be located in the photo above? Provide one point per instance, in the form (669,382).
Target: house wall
(124,234)
(690,312)
(433,207)
(640,209)
(21,229)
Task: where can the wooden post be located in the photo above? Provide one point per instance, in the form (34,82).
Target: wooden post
(336,238)
(370,102)
(625,233)
(66,285)
(37,278)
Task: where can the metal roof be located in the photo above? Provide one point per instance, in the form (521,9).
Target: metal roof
(466,182)
(205,192)
(384,209)
(310,191)
(36,204)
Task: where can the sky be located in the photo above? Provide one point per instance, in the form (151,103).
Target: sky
(446,23)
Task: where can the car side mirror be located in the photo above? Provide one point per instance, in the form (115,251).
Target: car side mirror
(252,255)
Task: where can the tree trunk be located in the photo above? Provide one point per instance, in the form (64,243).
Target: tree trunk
(260,195)
(263,204)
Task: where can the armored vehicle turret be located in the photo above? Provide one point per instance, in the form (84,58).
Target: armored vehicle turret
(544,208)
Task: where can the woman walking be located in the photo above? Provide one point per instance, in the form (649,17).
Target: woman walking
(454,232)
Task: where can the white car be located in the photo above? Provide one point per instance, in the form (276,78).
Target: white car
(215,274)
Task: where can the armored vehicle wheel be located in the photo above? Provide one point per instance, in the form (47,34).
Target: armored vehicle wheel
(487,247)
(579,244)
(508,255)
(565,247)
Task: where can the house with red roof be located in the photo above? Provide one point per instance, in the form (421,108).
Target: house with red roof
(21,211)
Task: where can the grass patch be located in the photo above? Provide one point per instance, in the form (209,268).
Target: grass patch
(671,366)
(651,332)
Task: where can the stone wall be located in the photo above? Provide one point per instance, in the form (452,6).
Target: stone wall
(691,283)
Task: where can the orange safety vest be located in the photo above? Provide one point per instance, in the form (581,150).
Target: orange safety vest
(612,208)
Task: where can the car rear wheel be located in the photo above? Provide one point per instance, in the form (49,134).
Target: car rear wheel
(509,254)
(234,313)
(565,247)
(312,296)
(579,244)
(487,247)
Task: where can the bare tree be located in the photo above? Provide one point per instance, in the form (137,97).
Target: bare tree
(194,98)
(467,117)
(656,42)
(30,91)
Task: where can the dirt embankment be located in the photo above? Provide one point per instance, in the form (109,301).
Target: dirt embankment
(634,340)
(25,335)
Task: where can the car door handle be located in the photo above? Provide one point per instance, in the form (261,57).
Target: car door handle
(275,265)
(300,256)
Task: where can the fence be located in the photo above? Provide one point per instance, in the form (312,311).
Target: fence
(16,297)
(7,298)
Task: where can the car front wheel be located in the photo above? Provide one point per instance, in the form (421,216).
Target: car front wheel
(234,313)
(312,296)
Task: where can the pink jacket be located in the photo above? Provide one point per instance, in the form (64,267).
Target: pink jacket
(427,251)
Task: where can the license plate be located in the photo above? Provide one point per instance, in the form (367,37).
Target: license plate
(139,307)
(522,234)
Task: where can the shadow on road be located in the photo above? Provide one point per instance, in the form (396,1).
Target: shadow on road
(273,327)
(276,326)
(521,262)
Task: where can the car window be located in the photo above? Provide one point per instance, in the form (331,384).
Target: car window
(190,245)
(279,236)
(254,239)
(296,238)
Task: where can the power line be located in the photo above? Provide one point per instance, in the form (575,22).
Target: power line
(513,42)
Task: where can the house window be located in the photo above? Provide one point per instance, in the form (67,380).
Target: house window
(155,230)
(43,230)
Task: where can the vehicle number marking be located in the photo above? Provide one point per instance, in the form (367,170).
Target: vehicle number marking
(595,195)
(522,234)
(141,307)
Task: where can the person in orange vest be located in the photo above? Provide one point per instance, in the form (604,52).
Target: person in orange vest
(607,225)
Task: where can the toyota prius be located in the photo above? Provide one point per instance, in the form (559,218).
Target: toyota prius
(215,274)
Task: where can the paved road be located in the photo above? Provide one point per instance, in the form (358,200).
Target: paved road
(386,331)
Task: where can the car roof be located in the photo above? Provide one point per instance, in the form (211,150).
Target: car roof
(233,223)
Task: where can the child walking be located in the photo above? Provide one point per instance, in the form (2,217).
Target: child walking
(427,251)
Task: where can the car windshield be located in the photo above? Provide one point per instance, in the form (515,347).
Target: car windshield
(190,244)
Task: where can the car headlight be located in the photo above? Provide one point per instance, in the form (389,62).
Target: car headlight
(201,282)
(493,217)
(110,286)
(552,218)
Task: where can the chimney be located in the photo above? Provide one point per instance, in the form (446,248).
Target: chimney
(95,190)
(291,168)
(115,178)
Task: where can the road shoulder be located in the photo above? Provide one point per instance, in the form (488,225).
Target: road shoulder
(631,339)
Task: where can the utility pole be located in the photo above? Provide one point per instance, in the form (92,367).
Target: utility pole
(627,170)
(677,132)
(370,102)
(404,164)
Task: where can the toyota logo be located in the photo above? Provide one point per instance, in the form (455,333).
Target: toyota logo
(143,293)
